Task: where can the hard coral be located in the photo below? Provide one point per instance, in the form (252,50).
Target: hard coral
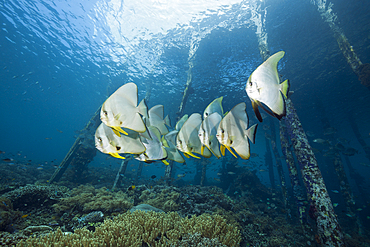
(87,199)
(146,228)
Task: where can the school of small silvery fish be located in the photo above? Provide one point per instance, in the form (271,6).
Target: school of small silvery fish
(130,128)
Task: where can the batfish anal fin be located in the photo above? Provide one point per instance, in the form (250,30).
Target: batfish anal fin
(228,148)
(192,155)
(256,111)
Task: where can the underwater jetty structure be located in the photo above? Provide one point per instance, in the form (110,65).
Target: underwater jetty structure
(82,151)
(321,208)
(362,70)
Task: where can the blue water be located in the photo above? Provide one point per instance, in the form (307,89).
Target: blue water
(60,60)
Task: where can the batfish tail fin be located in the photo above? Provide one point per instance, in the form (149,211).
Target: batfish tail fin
(167,121)
(251,133)
(143,109)
(284,87)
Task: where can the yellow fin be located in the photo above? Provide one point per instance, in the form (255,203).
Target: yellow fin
(228,148)
(202,150)
(186,155)
(165,162)
(116,155)
(222,149)
(192,155)
(121,130)
(116,132)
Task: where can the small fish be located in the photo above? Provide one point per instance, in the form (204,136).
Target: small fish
(364,164)
(25,216)
(254,155)
(187,140)
(48,138)
(233,132)
(7,160)
(262,170)
(350,151)
(214,106)
(217,179)
(310,134)
(132,187)
(340,147)
(181,175)
(349,215)
(335,204)
(59,131)
(263,86)
(208,131)
(120,110)
(219,174)
(153,176)
(321,141)
(231,173)
(39,168)
(335,191)
(330,131)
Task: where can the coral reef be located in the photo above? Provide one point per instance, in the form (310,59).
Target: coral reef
(35,195)
(7,214)
(86,199)
(150,228)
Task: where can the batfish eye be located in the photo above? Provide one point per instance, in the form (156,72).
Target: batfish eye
(99,139)
(209,142)
(118,148)
(250,83)
(206,113)
(180,141)
(231,142)
(199,134)
(222,131)
(105,113)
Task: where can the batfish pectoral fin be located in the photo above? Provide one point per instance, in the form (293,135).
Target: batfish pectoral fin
(186,155)
(222,149)
(143,109)
(228,148)
(116,155)
(202,150)
(256,110)
(192,155)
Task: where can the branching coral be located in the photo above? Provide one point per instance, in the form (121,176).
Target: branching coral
(150,228)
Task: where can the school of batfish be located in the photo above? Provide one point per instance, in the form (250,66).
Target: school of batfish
(131,128)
